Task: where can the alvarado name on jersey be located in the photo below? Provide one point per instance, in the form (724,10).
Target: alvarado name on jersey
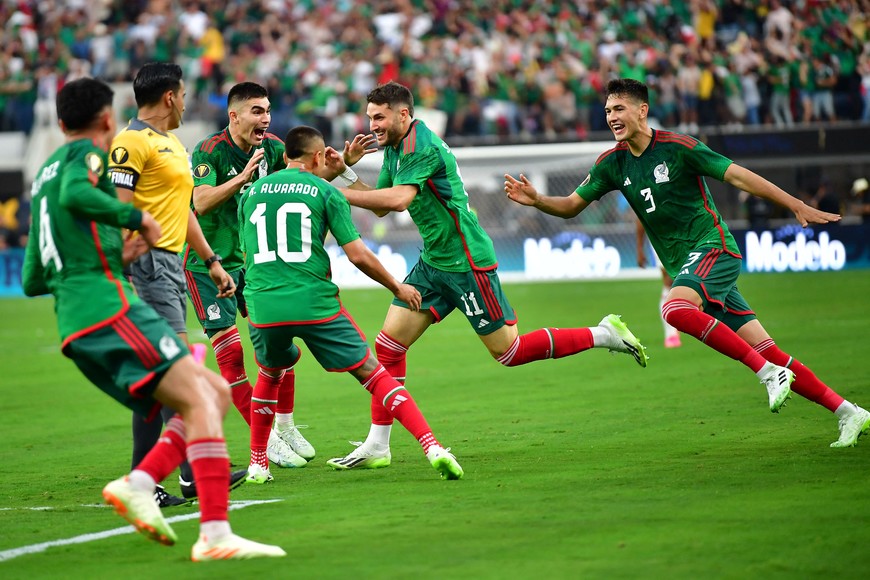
(300,188)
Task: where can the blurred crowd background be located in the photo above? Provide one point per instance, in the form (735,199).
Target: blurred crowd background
(510,69)
(490,71)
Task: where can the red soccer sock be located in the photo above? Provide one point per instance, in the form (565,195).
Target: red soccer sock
(686,317)
(231,362)
(547,343)
(211,470)
(263,404)
(168,453)
(394,356)
(398,401)
(287,392)
(806,383)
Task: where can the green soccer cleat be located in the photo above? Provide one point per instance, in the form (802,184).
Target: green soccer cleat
(852,427)
(622,339)
(140,509)
(363,457)
(444,462)
(258,474)
(778,381)
(232,547)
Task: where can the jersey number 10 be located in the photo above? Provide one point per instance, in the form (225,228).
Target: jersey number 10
(264,253)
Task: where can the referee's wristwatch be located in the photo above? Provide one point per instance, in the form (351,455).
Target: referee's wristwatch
(209,261)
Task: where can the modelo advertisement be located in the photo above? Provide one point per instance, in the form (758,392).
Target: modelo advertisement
(578,256)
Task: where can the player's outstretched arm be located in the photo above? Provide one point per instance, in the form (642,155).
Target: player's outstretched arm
(382,201)
(364,259)
(751,182)
(524,193)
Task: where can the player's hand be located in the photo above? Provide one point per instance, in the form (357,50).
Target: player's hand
(150,229)
(362,145)
(254,162)
(334,165)
(410,296)
(134,246)
(806,214)
(224,282)
(520,190)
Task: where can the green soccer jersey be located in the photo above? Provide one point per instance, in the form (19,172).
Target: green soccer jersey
(453,240)
(216,160)
(284,219)
(665,187)
(74,248)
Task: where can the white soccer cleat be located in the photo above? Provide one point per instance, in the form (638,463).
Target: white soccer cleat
(622,339)
(140,509)
(296,441)
(778,381)
(232,547)
(281,454)
(258,474)
(852,427)
(445,462)
(365,456)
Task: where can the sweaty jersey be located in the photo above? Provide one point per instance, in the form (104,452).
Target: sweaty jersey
(74,248)
(216,160)
(665,187)
(284,219)
(154,165)
(452,237)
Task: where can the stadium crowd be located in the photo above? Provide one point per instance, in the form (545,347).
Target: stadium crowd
(519,68)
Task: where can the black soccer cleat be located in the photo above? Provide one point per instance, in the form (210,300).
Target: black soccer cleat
(165,499)
(188,489)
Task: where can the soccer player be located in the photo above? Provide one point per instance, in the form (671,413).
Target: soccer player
(285,218)
(119,343)
(672,335)
(662,176)
(150,167)
(457,268)
(224,166)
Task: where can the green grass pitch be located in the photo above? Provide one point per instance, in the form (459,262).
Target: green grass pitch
(585,467)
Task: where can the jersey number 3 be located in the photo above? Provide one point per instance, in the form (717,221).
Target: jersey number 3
(264,253)
(647,196)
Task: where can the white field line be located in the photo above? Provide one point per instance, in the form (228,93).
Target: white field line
(41,547)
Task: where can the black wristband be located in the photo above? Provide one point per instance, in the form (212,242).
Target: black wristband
(209,261)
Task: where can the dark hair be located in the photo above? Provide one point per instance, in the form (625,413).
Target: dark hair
(244,92)
(153,80)
(298,141)
(393,95)
(79,102)
(628,88)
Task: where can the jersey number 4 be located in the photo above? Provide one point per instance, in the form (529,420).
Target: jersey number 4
(264,253)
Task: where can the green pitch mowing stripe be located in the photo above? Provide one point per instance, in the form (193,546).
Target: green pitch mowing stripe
(582,467)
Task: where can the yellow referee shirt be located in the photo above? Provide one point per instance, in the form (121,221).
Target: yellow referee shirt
(156,168)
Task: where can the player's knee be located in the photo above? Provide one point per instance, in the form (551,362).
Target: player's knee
(674,310)
(388,350)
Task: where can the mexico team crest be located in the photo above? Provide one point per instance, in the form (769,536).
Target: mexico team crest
(661,173)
